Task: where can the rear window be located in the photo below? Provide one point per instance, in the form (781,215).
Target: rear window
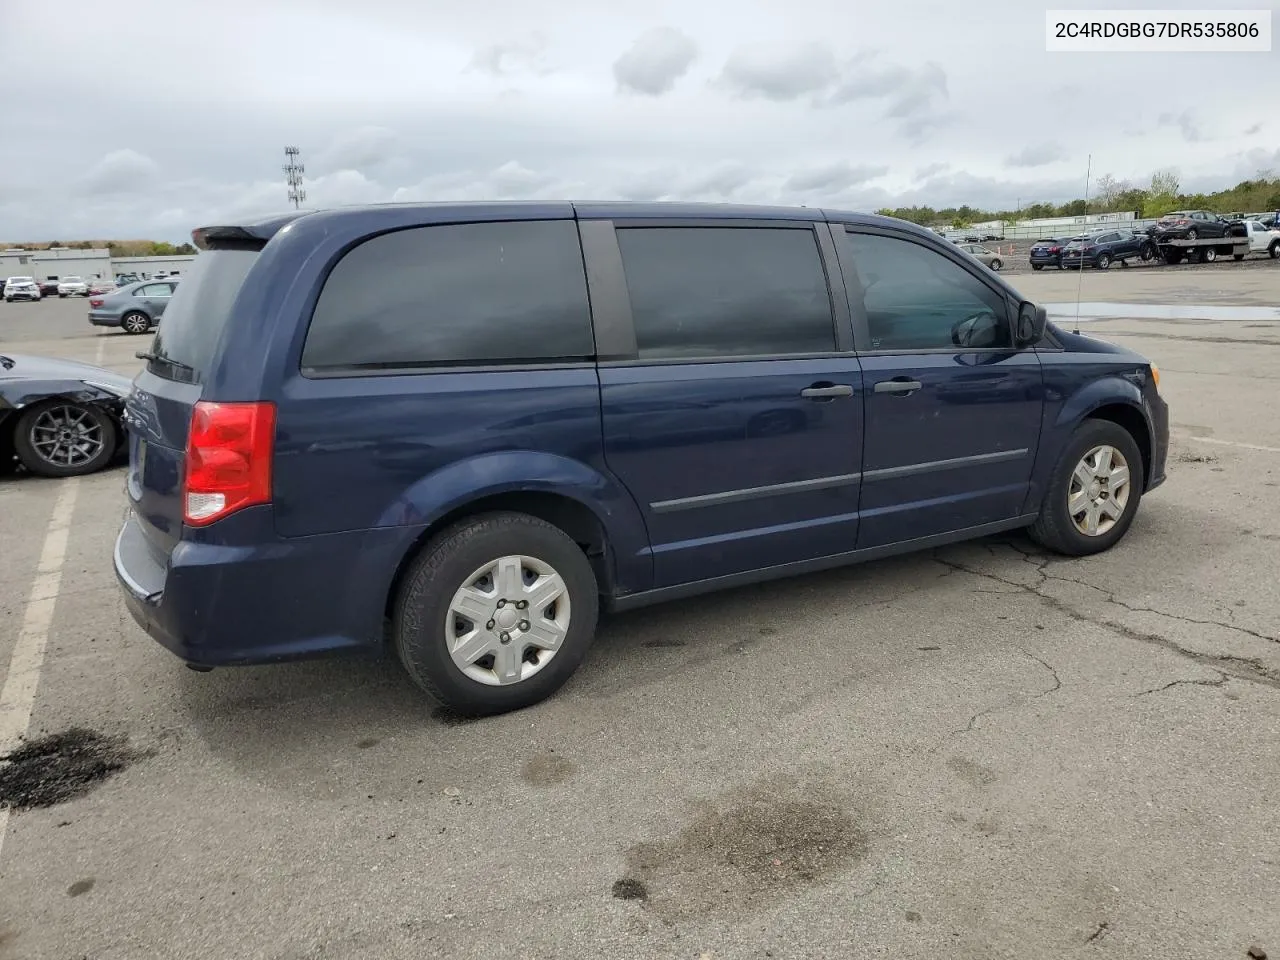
(197,313)
(471,293)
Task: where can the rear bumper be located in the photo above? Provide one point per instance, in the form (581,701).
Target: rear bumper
(217,605)
(103,319)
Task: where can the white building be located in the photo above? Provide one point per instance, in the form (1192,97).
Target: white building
(55,263)
(147,267)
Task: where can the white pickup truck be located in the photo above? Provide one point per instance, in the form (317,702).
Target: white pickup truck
(1261,240)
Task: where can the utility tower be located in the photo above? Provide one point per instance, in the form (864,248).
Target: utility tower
(293,171)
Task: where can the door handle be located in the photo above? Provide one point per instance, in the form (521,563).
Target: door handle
(834,390)
(898,386)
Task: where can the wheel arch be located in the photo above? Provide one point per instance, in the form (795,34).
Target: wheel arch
(588,506)
(1116,399)
(1133,421)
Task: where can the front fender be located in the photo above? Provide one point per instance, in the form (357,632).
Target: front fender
(524,471)
(17,395)
(1075,387)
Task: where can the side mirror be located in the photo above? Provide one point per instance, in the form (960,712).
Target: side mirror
(1032,321)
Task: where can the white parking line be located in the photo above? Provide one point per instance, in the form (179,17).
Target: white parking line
(102,346)
(20,683)
(1237,443)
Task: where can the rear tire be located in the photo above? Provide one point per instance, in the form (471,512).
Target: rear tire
(1037,266)
(1103,261)
(135,322)
(996,265)
(1055,527)
(1193,234)
(1237,257)
(426,621)
(1274,250)
(1208,255)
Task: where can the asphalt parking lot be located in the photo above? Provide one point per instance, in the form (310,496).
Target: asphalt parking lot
(982,752)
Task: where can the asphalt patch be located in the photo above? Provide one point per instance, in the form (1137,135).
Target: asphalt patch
(629,888)
(547,769)
(747,851)
(60,767)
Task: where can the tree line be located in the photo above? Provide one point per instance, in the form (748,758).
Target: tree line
(1109,195)
(118,248)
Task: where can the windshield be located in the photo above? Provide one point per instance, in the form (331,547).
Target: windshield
(201,305)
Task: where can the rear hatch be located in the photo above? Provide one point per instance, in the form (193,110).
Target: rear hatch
(158,412)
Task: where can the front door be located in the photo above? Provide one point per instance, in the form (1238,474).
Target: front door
(736,423)
(952,409)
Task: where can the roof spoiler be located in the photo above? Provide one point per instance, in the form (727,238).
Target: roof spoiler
(249,236)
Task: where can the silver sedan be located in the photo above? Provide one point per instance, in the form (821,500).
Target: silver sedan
(135,308)
(987,257)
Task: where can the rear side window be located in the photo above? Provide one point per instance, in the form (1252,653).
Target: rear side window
(726,291)
(476,293)
(197,313)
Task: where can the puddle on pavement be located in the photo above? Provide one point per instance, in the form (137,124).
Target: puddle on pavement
(743,853)
(60,767)
(1063,312)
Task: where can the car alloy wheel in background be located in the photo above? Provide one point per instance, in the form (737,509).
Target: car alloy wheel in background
(135,322)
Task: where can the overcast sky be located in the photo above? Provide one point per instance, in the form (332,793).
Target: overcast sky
(143,119)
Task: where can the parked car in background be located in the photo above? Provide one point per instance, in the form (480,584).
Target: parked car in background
(135,308)
(21,288)
(1047,252)
(48,288)
(450,436)
(1103,249)
(1190,225)
(59,418)
(101,287)
(988,258)
(125,278)
(991,237)
(72,287)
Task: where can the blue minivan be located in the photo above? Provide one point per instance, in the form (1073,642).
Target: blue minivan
(461,429)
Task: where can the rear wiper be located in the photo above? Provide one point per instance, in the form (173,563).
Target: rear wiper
(176,364)
(6,362)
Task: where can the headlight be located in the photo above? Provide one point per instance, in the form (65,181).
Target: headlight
(109,387)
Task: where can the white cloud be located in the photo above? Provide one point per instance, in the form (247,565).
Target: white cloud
(655,61)
(118,172)
(1037,155)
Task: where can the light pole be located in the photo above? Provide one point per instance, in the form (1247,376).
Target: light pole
(293,171)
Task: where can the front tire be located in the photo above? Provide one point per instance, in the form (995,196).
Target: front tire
(996,265)
(59,438)
(1103,261)
(135,322)
(1208,255)
(1193,234)
(1093,493)
(495,613)
(1274,250)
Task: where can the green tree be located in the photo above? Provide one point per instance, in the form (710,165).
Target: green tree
(186,248)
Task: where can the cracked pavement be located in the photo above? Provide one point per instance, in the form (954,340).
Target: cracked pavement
(1013,754)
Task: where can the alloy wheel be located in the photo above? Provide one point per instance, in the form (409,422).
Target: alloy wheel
(66,436)
(1099,491)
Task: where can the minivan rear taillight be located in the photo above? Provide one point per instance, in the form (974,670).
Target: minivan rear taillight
(229,450)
